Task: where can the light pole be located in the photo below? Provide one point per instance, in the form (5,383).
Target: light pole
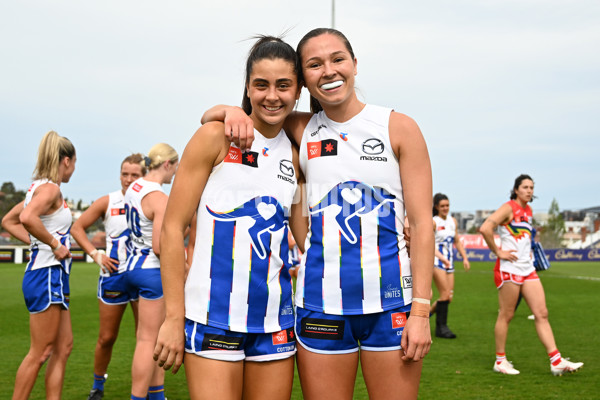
(333,14)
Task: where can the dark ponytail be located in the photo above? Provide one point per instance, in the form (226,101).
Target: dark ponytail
(270,48)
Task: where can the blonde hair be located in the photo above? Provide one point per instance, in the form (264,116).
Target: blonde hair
(158,154)
(53,148)
(135,158)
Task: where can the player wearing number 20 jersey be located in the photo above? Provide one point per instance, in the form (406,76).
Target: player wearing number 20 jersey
(140,226)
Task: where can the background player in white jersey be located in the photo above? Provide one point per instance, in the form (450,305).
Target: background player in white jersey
(113,296)
(236,309)
(514,274)
(43,219)
(443,273)
(367,176)
(145,204)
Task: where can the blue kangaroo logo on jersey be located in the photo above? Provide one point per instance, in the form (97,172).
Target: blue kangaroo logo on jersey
(269,216)
(354,200)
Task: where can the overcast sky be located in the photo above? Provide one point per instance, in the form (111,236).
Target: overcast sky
(499,87)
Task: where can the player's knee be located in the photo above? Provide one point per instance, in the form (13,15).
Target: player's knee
(107,340)
(541,314)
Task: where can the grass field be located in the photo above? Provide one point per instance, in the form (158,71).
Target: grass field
(454,369)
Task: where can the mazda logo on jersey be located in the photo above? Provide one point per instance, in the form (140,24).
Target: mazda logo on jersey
(286,167)
(372,146)
(287,171)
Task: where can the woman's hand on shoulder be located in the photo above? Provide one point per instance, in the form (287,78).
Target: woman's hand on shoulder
(239,127)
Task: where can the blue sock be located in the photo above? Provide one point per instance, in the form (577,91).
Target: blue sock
(137,398)
(156,392)
(99,382)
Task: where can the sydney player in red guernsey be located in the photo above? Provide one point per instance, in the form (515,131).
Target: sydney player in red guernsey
(514,274)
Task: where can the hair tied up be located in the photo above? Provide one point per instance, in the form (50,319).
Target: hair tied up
(147,161)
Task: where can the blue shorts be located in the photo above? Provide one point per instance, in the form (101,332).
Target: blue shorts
(113,289)
(45,286)
(220,344)
(341,334)
(144,283)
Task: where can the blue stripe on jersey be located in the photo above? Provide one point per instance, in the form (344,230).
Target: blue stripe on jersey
(221,273)
(391,270)
(441,250)
(351,274)
(66,264)
(258,291)
(114,248)
(285,280)
(32,256)
(138,256)
(315,264)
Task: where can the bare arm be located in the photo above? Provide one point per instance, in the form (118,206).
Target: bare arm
(13,225)
(415,174)
(239,128)
(238,125)
(499,217)
(46,199)
(89,216)
(154,205)
(207,147)
(461,249)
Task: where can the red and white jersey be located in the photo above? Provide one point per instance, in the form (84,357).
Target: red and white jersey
(58,224)
(356,260)
(516,235)
(117,231)
(140,226)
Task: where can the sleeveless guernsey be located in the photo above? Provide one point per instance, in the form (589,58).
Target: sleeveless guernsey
(356,260)
(117,232)
(239,278)
(516,235)
(445,230)
(140,227)
(58,224)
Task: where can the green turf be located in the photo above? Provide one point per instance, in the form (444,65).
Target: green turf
(455,369)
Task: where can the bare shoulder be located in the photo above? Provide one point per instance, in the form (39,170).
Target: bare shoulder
(47,191)
(208,141)
(403,125)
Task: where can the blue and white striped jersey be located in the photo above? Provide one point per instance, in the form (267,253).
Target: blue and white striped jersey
(356,260)
(140,227)
(239,278)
